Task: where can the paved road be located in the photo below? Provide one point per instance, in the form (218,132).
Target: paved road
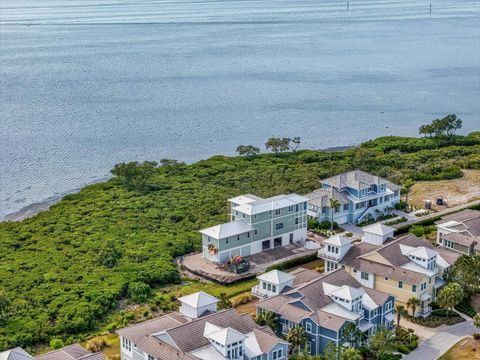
(437,214)
(439,343)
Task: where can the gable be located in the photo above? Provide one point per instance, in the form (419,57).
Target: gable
(376,257)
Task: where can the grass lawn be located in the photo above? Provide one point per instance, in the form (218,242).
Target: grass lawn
(463,350)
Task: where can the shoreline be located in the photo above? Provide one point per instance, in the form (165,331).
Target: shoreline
(35,208)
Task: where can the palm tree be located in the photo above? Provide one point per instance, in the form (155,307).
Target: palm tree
(267,318)
(401,312)
(382,343)
(333,204)
(412,303)
(406,186)
(297,339)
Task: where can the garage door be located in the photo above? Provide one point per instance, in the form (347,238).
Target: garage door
(245,251)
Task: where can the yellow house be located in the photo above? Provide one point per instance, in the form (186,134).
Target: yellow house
(405,267)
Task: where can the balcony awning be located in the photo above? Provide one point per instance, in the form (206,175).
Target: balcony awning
(364,325)
(389,316)
(425,296)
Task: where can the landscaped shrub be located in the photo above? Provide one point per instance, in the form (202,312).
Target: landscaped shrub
(138,291)
(476,336)
(293,262)
(402,348)
(242,299)
(96,345)
(466,308)
(396,221)
(56,344)
(435,320)
(444,313)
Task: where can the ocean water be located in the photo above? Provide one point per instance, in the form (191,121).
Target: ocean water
(85,84)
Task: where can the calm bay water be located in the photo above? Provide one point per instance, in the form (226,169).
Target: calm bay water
(85,84)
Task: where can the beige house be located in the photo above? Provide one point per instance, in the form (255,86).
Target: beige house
(405,267)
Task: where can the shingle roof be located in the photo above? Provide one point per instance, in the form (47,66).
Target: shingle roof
(93,356)
(328,320)
(266,340)
(302,275)
(189,336)
(198,299)
(356,179)
(461,238)
(227,229)
(71,352)
(15,354)
(352,258)
(321,197)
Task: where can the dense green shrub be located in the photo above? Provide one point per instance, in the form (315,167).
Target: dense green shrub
(56,270)
(138,291)
(466,308)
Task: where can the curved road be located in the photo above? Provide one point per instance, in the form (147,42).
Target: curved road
(438,344)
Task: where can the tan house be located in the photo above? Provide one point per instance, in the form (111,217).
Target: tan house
(405,267)
(460,232)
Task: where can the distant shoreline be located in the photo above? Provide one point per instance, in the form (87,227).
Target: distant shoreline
(33,209)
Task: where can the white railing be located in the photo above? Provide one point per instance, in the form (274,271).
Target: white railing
(324,254)
(258,291)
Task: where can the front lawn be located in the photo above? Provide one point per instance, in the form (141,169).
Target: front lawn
(465,349)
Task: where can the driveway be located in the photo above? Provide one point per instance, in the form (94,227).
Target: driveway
(438,344)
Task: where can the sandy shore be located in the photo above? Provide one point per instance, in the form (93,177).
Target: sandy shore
(31,209)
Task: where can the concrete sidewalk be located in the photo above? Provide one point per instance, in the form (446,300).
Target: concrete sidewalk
(439,343)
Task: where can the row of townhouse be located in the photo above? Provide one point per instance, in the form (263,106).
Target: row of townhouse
(405,267)
(323,304)
(70,352)
(199,331)
(258,224)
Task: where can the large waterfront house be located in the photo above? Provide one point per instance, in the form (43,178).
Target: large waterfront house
(256,225)
(323,304)
(70,352)
(460,232)
(199,331)
(405,267)
(359,195)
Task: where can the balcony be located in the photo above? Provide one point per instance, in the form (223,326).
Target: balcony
(259,292)
(326,255)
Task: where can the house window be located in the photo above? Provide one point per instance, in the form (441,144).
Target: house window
(414,288)
(127,344)
(255,231)
(423,286)
(296,221)
(277,354)
(208,237)
(337,209)
(264,285)
(346,207)
(238,237)
(308,327)
(274,288)
(150,357)
(324,209)
(290,208)
(400,284)
(248,235)
(364,275)
(255,216)
(269,287)
(279,226)
(277,212)
(308,346)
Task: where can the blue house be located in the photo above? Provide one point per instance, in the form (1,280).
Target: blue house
(323,304)
(359,195)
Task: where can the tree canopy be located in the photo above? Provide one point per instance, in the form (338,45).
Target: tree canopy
(446,126)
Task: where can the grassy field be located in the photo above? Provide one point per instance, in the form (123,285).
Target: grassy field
(454,192)
(466,349)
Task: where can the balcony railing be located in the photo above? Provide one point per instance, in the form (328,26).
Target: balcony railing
(322,253)
(258,291)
